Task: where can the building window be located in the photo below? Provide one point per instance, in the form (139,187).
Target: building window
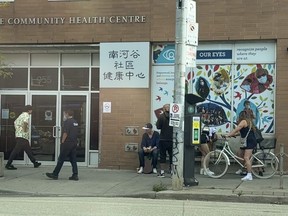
(44,79)
(75,79)
(13,78)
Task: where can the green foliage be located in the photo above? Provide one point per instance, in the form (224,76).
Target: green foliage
(159,187)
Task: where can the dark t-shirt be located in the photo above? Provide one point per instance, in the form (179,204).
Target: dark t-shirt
(251,140)
(153,141)
(162,124)
(71,128)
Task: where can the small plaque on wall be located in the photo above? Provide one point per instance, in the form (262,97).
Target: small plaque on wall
(132,130)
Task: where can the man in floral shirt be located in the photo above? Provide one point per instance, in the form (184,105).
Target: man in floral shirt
(22,136)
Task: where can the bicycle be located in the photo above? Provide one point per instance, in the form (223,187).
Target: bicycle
(264,164)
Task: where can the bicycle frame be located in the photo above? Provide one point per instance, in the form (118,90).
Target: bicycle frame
(227,150)
(264,165)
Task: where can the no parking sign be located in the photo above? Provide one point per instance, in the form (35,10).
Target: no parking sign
(175,115)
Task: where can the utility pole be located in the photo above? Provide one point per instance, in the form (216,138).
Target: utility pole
(185,56)
(179,97)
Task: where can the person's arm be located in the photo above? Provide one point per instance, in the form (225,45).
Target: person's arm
(242,124)
(143,142)
(156,141)
(25,122)
(25,126)
(64,136)
(159,122)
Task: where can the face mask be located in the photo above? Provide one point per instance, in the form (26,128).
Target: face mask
(246,87)
(262,79)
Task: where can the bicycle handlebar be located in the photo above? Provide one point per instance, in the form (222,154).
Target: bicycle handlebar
(225,136)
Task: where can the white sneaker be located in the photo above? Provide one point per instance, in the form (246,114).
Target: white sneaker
(154,171)
(209,172)
(247,178)
(140,170)
(201,171)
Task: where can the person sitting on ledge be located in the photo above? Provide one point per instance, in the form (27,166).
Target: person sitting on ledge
(149,147)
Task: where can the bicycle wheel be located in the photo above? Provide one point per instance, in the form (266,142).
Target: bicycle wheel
(217,162)
(264,164)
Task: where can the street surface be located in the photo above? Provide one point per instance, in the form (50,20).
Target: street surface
(94,206)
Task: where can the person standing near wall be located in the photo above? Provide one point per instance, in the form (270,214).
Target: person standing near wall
(166,138)
(22,135)
(68,147)
(246,129)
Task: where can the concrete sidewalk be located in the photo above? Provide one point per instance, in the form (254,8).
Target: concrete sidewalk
(28,181)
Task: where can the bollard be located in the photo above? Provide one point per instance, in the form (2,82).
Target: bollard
(281,165)
(1,164)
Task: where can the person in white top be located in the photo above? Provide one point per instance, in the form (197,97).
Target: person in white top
(22,136)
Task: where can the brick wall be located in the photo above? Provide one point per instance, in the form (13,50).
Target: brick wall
(153,29)
(219,20)
(130,107)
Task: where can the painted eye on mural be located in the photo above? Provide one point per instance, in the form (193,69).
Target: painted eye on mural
(169,54)
(212,114)
(202,87)
(257,82)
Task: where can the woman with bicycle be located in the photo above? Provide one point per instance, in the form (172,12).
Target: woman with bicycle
(246,128)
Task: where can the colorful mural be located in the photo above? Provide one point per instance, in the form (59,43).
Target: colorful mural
(256,83)
(226,76)
(226,88)
(215,82)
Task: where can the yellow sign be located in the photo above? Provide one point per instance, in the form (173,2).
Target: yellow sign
(196,130)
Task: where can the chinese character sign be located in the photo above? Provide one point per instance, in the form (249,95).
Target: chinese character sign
(124,65)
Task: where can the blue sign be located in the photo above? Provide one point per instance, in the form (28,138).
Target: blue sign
(164,54)
(214,54)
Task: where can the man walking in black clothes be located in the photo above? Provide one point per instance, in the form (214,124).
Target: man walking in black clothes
(22,135)
(166,138)
(68,147)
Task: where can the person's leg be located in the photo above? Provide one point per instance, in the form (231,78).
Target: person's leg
(154,155)
(73,161)
(14,153)
(162,157)
(204,149)
(141,158)
(240,153)
(64,152)
(170,153)
(247,156)
(28,150)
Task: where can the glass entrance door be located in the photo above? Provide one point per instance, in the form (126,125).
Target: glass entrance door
(11,107)
(45,127)
(78,103)
(47,120)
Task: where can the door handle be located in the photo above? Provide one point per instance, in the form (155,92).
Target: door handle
(56,130)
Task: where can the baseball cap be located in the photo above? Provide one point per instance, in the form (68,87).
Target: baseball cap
(147,126)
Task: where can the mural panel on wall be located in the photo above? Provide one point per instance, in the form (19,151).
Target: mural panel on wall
(226,76)
(213,83)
